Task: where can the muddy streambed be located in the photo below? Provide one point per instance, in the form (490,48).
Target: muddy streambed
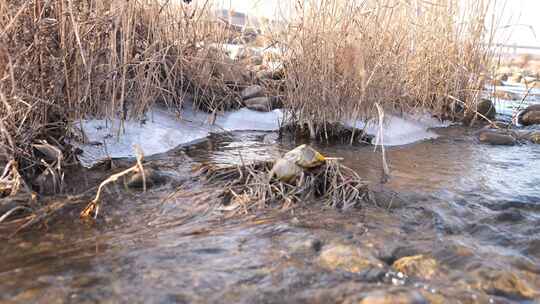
(465,216)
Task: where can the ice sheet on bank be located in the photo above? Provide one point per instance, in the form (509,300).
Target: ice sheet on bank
(163,131)
(402,130)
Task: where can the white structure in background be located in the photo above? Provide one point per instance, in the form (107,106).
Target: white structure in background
(271,9)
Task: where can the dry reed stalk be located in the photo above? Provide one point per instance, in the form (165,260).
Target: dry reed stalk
(92,209)
(67,60)
(343,56)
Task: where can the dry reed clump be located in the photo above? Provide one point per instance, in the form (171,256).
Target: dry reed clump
(61,61)
(248,187)
(343,56)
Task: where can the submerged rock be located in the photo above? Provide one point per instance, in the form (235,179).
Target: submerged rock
(153,177)
(305,246)
(347,258)
(252,91)
(506,283)
(397,296)
(419,266)
(529,116)
(496,138)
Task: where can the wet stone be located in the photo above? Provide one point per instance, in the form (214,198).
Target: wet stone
(510,216)
(252,92)
(372,275)
(347,258)
(533,248)
(529,116)
(433,298)
(261,104)
(486,108)
(507,284)
(496,138)
(153,177)
(398,296)
(306,246)
(419,266)
(534,137)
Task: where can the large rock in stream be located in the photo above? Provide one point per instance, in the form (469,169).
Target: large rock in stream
(486,108)
(529,116)
(494,137)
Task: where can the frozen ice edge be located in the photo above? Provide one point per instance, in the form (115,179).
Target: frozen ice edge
(163,131)
(402,130)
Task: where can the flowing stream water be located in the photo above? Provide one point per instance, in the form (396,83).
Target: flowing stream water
(474,208)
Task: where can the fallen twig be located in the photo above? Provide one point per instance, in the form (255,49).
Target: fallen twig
(92,209)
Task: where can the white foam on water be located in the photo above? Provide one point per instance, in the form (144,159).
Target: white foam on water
(163,131)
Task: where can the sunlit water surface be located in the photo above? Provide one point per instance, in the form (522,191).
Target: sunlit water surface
(474,208)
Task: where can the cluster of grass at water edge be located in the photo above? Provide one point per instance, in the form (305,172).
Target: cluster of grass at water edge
(250,187)
(342,57)
(63,61)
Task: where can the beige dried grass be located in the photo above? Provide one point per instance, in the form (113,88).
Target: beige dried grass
(247,187)
(344,56)
(62,61)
